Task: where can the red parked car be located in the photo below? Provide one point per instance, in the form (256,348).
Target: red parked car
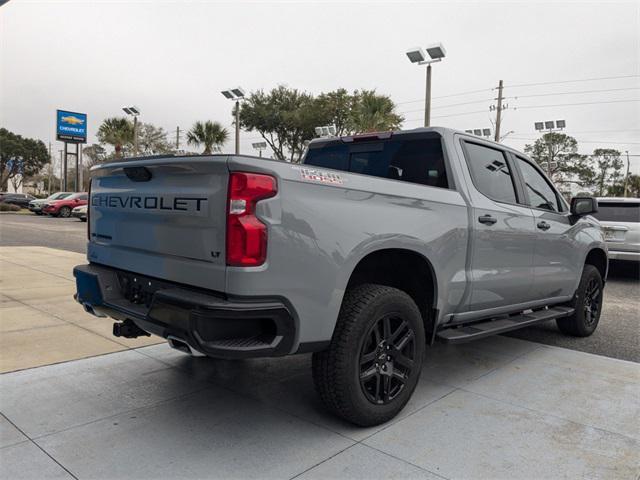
(63,207)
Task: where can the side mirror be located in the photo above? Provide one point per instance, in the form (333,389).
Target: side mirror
(581,206)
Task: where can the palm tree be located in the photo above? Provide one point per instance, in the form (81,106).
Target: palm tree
(374,113)
(210,134)
(116,131)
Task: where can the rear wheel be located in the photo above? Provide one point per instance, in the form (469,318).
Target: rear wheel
(587,304)
(64,212)
(373,363)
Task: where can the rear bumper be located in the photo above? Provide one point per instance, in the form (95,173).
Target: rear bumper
(622,255)
(208,322)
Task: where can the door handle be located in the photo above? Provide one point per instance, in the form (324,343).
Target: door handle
(543,225)
(487,219)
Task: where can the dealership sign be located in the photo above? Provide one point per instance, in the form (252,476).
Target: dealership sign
(71,126)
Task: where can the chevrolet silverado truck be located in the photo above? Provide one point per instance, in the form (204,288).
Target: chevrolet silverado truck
(366,253)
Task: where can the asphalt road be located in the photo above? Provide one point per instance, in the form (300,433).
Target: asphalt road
(618,334)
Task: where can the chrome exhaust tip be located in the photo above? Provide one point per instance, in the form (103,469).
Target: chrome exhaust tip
(179,344)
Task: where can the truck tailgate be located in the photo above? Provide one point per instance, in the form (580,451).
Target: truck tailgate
(162,217)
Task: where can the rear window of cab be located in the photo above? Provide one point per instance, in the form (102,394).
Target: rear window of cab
(408,158)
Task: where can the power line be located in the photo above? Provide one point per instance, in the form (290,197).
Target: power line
(575,93)
(452,115)
(448,96)
(516,137)
(450,105)
(571,81)
(574,104)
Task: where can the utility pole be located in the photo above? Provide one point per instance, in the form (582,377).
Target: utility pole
(498,112)
(237,127)
(177,138)
(626,178)
(427,100)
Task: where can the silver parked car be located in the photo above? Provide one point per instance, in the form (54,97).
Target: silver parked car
(620,221)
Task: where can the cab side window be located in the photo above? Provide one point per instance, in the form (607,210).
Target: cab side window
(490,172)
(541,194)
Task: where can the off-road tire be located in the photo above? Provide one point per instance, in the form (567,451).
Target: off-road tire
(64,212)
(337,370)
(584,321)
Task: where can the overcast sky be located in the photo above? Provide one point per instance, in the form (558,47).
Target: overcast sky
(172,59)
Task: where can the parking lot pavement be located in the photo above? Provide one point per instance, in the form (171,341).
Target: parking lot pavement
(40,322)
(498,408)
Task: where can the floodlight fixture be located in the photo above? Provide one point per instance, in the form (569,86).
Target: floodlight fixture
(539,125)
(469,131)
(259,145)
(436,51)
(486,132)
(227,94)
(561,124)
(131,111)
(477,132)
(416,55)
(549,125)
(238,92)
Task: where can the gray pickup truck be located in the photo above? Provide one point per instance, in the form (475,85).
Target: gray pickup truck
(371,249)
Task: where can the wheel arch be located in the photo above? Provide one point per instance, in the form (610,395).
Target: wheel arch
(598,258)
(406,270)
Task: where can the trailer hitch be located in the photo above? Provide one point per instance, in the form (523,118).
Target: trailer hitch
(128,329)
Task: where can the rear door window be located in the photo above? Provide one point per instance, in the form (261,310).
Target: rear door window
(490,172)
(618,212)
(415,160)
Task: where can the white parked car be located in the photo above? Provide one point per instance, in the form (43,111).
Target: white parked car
(80,212)
(620,221)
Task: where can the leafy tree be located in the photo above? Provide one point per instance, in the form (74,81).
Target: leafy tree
(284,117)
(557,154)
(152,140)
(336,109)
(116,131)
(20,157)
(93,155)
(210,134)
(374,113)
(609,169)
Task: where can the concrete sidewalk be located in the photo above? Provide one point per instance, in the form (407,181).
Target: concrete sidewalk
(40,323)
(501,408)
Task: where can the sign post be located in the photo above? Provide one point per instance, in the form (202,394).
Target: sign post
(71,127)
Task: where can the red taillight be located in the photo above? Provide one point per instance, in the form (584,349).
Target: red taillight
(246,234)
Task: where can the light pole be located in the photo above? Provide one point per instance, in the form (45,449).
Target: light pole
(417,55)
(259,146)
(235,94)
(550,126)
(134,112)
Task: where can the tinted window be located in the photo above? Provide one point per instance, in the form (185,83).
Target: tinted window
(540,193)
(490,172)
(417,160)
(618,212)
(83,197)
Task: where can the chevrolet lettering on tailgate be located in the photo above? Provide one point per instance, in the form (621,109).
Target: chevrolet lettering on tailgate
(150,202)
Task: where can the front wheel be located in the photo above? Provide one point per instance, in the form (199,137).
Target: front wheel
(587,304)
(65,212)
(373,363)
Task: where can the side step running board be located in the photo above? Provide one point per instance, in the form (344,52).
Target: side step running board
(466,333)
